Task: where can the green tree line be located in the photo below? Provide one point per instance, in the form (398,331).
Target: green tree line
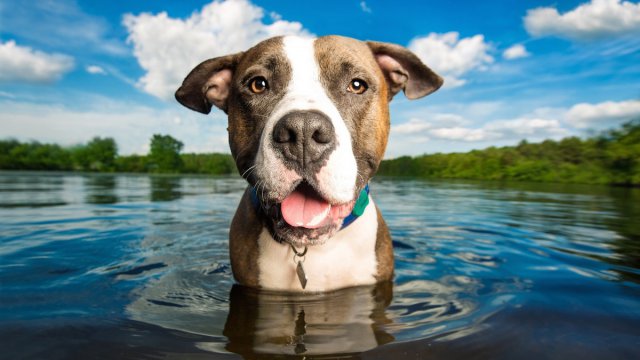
(101,155)
(611,157)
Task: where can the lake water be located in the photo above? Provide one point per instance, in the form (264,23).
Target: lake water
(133,266)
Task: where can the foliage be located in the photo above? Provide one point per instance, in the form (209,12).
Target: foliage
(164,154)
(98,155)
(132,163)
(33,155)
(208,164)
(612,157)
(101,154)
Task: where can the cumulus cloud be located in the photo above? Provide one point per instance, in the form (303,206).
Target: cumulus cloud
(96,70)
(604,114)
(24,64)
(597,19)
(412,126)
(527,127)
(515,52)
(515,129)
(417,125)
(168,48)
(461,134)
(453,127)
(539,124)
(451,56)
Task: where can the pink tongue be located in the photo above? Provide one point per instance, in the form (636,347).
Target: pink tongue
(300,210)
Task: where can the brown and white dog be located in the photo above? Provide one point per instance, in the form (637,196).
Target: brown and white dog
(308,127)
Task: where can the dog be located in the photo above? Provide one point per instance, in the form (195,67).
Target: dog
(308,123)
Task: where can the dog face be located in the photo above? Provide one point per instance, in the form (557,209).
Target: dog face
(308,122)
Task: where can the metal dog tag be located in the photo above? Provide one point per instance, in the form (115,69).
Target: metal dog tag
(301,275)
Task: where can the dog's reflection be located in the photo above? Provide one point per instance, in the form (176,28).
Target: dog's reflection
(341,322)
(263,322)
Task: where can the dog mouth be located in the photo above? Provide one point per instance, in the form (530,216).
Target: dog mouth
(305,208)
(305,217)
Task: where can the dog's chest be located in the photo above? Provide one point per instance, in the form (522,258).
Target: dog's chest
(347,259)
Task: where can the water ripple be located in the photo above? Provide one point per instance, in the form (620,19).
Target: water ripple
(478,265)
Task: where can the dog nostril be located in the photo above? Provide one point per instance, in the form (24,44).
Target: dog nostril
(321,137)
(284,135)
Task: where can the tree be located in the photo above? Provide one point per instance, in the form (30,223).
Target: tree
(132,163)
(164,154)
(98,155)
(212,163)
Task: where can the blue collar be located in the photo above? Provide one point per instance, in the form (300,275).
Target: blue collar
(358,208)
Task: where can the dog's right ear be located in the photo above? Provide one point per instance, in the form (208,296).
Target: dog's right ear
(208,84)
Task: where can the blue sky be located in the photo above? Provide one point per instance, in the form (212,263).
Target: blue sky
(71,70)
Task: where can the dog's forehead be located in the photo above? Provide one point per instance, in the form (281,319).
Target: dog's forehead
(327,50)
(268,53)
(339,49)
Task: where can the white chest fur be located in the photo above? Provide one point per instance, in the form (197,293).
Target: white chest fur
(347,259)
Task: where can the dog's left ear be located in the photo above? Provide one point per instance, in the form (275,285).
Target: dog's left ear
(208,84)
(403,70)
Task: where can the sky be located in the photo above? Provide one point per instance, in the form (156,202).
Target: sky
(74,69)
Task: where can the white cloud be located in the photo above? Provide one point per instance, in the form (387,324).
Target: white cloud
(129,124)
(461,134)
(593,20)
(604,114)
(168,48)
(527,127)
(23,64)
(454,127)
(365,7)
(539,124)
(514,129)
(96,70)
(416,125)
(478,125)
(515,52)
(452,57)
(412,126)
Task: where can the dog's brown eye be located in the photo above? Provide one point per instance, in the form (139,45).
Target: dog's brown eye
(258,85)
(357,86)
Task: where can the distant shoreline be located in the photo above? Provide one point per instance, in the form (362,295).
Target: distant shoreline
(610,158)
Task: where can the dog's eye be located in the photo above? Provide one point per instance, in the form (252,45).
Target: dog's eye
(258,85)
(357,86)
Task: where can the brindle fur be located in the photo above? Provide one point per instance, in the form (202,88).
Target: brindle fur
(366,117)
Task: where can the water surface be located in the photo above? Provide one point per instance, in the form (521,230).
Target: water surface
(136,266)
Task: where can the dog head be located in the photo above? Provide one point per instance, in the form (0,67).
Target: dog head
(308,122)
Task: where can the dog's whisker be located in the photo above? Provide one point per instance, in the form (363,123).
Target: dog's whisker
(248,171)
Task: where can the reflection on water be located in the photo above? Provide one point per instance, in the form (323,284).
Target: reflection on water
(31,190)
(263,322)
(136,266)
(346,321)
(165,188)
(101,189)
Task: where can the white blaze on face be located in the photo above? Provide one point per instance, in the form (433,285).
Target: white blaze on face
(336,179)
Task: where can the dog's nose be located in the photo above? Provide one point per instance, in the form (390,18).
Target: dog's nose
(304,137)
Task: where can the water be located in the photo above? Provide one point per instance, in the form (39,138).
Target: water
(128,266)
